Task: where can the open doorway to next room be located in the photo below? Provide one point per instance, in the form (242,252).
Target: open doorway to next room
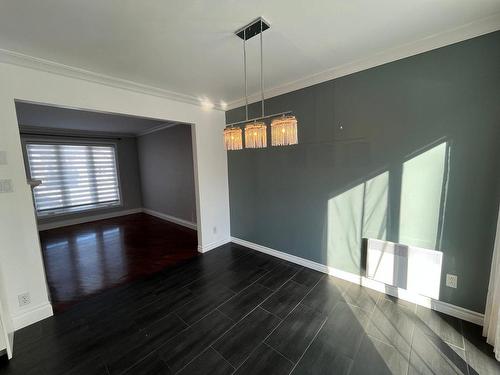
(114,197)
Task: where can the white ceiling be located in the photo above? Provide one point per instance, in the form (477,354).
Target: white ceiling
(189,47)
(36,116)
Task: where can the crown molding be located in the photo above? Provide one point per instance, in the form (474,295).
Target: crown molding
(158,128)
(61,132)
(43,130)
(459,34)
(27,61)
(468,31)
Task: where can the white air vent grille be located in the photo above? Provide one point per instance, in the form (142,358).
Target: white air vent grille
(407,267)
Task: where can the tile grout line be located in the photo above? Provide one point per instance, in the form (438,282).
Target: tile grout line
(368,323)
(220,355)
(278,325)
(281,286)
(227,316)
(142,330)
(204,350)
(215,308)
(222,303)
(269,312)
(275,328)
(236,293)
(253,283)
(231,327)
(307,348)
(369,317)
(278,352)
(189,326)
(289,279)
(465,351)
(411,343)
(182,320)
(225,268)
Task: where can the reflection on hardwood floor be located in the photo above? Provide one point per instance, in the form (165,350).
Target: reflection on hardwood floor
(84,259)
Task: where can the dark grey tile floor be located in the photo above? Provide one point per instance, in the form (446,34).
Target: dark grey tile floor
(236,311)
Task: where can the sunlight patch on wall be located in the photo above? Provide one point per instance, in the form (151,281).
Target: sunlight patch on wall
(375,207)
(421,192)
(358,212)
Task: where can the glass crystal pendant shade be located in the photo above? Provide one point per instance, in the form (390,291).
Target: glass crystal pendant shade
(256,135)
(233,139)
(284,131)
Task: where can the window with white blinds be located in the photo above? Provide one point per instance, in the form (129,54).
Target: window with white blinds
(74,176)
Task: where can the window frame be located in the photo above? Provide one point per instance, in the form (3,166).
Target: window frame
(63,211)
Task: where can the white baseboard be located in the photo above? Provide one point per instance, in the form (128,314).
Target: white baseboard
(32,316)
(87,219)
(213,245)
(175,220)
(444,307)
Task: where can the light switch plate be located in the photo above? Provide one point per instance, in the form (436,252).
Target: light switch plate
(3,157)
(6,186)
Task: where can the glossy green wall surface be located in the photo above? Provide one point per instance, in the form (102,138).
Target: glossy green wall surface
(408,152)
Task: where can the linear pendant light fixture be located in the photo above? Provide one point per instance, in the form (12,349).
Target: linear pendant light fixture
(284,128)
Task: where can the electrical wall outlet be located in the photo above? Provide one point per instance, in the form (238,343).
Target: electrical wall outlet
(6,186)
(451,280)
(24,299)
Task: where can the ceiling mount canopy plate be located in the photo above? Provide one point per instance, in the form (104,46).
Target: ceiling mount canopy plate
(253,28)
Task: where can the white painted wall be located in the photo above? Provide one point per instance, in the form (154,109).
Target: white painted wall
(3,338)
(20,256)
(6,328)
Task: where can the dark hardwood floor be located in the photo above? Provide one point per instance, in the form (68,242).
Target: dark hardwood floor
(85,259)
(236,311)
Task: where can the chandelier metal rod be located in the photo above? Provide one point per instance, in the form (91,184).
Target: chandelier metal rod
(245,70)
(261,72)
(258,118)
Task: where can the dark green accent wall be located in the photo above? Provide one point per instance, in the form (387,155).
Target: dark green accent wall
(417,159)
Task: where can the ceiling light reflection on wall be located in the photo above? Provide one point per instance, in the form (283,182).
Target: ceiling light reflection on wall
(206,104)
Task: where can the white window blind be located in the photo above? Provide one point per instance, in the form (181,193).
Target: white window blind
(74,176)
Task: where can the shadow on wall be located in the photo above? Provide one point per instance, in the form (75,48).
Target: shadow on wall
(404,203)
